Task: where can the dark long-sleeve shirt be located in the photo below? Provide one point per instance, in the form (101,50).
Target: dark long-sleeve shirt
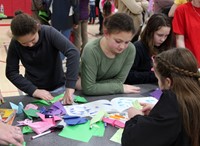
(162,127)
(140,72)
(43,66)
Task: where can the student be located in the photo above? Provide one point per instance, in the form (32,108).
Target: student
(186,27)
(174,120)
(155,38)
(10,135)
(37,48)
(105,62)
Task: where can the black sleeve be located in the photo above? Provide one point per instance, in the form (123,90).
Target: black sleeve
(75,4)
(140,72)
(12,70)
(160,128)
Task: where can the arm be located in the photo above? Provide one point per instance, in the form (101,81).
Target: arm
(12,70)
(133,6)
(172,10)
(180,42)
(10,135)
(89,72)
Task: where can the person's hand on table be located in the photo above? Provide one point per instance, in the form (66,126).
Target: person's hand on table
(10,135)
(147,107)
(43,94)
(68,97)
(131,89)
(132,112)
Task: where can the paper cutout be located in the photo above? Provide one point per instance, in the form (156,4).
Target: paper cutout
(73,132)
(28,106)
(115,123)
(117,136)
(30,113)
(74,120)
(26,130)
(137,105)
(98,117)
(7,115)
(79,99)
(18,108)
(41,102)
(57,98)
(156,93)
(56,109)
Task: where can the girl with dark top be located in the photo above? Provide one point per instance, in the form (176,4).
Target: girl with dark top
(155,38)
(174,120)
(37,48)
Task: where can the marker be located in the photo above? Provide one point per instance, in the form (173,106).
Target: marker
(42,134)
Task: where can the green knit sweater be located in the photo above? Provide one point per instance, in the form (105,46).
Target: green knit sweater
(101,75)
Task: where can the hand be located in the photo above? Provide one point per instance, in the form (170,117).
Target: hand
(68,97)
(132,112)
(10,135)
(43,94)
(147,107)
(131,89)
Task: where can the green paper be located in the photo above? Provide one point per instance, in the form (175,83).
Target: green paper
(24,144)
(99,130)
(26,130)
(79,99)
(117,136)
(57,98)
(79,132)
(137,105)
(97,117)
(41,102)
(31,113)
(73,132)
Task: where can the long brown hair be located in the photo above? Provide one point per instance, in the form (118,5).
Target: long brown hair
(155,22)
(181,67)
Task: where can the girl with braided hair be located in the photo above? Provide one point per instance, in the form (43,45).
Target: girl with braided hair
(174,120)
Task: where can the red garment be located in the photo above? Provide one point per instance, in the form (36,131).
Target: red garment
(186,22)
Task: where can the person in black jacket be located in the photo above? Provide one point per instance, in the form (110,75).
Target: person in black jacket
(174,120)
(37,47)
(155,38)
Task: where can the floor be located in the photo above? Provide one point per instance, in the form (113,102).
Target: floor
(6,87)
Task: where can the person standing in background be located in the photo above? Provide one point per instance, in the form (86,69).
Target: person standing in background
(100,16)
(65,16)
(80,33)
(186,26)
(92,12)
(175,5)
(135,9)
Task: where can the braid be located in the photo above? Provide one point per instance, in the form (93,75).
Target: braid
(178,70)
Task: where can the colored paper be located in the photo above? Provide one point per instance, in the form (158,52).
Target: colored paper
(156,93)
(41,102)
(117,136)
(18,108)
(137,105)
(31,113)
(97,117)
(57,98)
(73,132)
(28,106)
(75,121)
(79,99)
(26,130)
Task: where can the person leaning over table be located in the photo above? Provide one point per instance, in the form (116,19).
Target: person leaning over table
(37,47)
(106,61)
(174,119)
